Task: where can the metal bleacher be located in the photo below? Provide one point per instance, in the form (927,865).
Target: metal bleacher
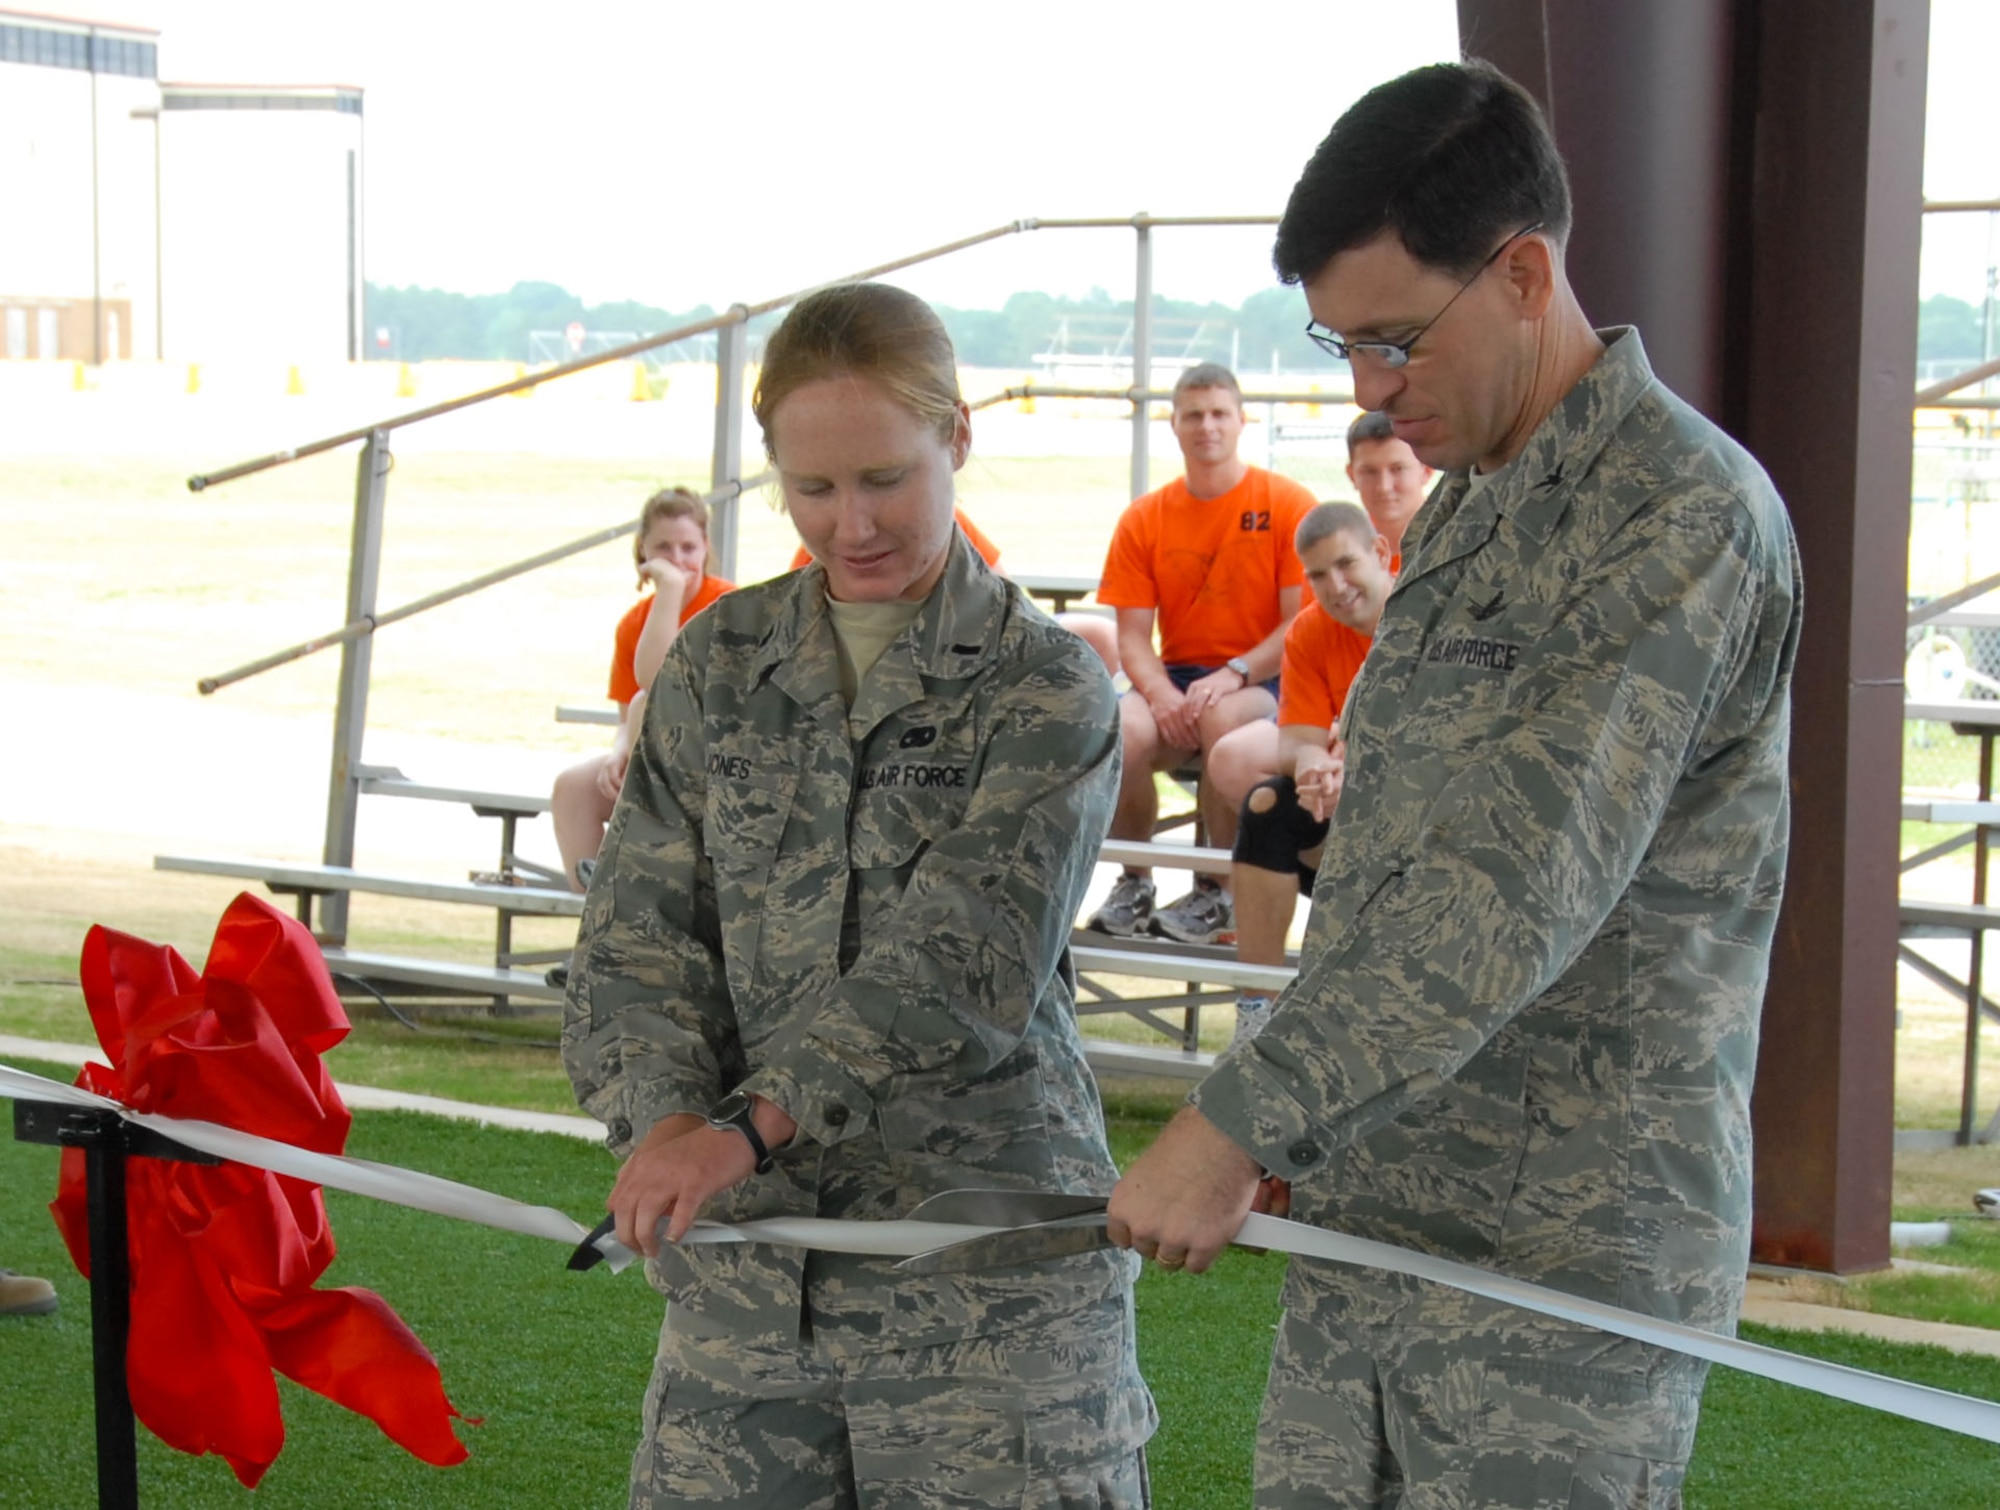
(1202,975)
(518,888)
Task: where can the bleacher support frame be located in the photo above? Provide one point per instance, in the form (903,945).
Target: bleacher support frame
(334,881)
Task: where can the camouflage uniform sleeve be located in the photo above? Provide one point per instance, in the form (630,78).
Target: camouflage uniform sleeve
(1524,852)
(647,1027)
(949,982)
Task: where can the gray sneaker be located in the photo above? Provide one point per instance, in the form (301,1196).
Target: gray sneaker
(1127,910)
(1203,916)
(1252,1012)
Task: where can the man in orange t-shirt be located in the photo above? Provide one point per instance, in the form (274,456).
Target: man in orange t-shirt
(1393,484)
(1284,819)
(1209,559)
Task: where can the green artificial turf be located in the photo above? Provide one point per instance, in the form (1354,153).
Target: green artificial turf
(1204,1344)
(555,1364)
(1767,1446)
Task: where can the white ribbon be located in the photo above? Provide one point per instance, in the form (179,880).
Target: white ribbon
(1919,1402)
(383,1182)
(904,1239)
(468,1203)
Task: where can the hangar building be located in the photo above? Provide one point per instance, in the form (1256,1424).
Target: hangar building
(190,222)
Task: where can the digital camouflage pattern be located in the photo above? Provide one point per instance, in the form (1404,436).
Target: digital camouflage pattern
(1524,1027)
(865,917)
(1040,1418)
(1428,1418)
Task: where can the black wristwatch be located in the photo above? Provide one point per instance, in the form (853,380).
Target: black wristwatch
(1240,666)
(733,1110)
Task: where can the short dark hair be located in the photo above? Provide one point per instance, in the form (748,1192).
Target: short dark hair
(1452,158)
(1370,424)
(1336,516)
(1207,375)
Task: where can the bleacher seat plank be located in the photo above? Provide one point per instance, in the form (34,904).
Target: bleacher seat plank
(1109,1058)
(1180,963)
(541,901)
(1104,1055)
(1920,811)
(1202,859)
(510,802)
(1957,917)
(1061,589)
(441,975)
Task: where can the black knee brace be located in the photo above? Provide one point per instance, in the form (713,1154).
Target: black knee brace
(1273,838)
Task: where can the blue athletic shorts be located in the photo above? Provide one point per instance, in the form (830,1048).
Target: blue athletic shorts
(1184,677)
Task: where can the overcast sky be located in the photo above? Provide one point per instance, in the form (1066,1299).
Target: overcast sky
(681,153)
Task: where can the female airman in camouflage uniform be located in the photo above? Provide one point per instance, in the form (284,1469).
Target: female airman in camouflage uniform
(862,812)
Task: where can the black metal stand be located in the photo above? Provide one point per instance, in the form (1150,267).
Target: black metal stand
(107,1140)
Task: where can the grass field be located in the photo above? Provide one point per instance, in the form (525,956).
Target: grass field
(557,1386)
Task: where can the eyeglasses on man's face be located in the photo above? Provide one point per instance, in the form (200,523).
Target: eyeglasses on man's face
(1397,353)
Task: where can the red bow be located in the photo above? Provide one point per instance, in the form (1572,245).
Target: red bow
(224,1257)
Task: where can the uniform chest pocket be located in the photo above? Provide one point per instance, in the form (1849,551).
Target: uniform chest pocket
(745,818)
(745,821)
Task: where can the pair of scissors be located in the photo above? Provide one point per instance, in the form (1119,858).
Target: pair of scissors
(1033,1226)
(1037,1226)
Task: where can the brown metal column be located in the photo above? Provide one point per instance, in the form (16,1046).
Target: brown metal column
(1831,364)
(1642,96)
(1748,189)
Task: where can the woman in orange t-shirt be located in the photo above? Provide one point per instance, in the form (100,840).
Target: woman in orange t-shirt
(671,550)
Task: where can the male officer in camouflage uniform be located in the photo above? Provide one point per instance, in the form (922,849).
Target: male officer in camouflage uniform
(1525,1023)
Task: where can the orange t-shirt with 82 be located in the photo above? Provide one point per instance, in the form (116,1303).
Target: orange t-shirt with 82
(625,680)
(1211,567)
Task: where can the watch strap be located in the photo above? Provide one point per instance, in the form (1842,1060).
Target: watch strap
(724,1115)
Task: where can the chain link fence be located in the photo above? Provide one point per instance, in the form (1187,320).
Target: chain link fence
(1312,451)
(1954,541)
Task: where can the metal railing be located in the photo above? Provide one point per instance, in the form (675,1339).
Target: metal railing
(1939,395)
(726,485)
(1140,397)
(1927,619)
(729,330)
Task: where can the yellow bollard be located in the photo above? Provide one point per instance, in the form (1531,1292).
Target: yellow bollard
(1312,410)
(406,382)
(521,371)
(76,381)
(194,377)
(295,383)
(641,391)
